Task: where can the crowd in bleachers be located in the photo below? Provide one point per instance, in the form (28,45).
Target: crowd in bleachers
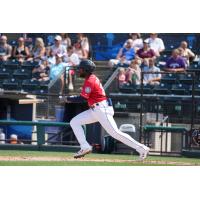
(50,60)
(148,55)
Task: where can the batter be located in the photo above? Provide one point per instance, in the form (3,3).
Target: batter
(101,110)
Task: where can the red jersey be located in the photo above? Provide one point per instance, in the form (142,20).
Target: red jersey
(92,90)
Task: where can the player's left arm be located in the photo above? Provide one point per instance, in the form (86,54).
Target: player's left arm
(72,99)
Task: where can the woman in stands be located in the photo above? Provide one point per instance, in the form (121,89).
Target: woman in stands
(81,47)
(133,73)
(21,52)
(38,53)
(66,41)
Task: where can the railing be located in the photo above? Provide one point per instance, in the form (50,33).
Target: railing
(40,129)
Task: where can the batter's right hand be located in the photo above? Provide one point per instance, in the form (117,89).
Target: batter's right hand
(62,99)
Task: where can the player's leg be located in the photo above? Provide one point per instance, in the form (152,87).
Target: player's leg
(86,117)
(105,117)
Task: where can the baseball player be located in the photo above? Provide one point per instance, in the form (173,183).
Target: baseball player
(100,110)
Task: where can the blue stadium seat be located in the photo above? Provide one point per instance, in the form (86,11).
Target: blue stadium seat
(194,67)
(127,88)
(30,85)
(11,84)
(4,73)
(12,64)
(169,78)
(22,74)
(185,78)
(196,89)
(163,88)
(180,89)
(147,89)
(30,65)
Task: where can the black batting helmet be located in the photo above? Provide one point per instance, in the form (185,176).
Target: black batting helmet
(87,65)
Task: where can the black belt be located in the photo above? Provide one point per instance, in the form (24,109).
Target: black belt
(109,101)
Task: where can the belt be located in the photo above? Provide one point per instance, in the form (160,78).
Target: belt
(108,102)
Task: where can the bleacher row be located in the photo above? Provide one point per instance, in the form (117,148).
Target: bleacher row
(15,76)
(171,84)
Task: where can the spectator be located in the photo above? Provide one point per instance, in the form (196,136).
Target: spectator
(57,48)
(66,41)
(41,73)
(152,79)
(71,61)
(156,44)
(187,53)
(181,53)
(21,52)
(146,51)
(133,73)
(175,63)
(57,68)
(137,41)
(5,49)
(38,52)
(121,76)
(82,46)
(125,55)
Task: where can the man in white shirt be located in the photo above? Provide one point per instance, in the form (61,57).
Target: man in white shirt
(57,48)
(152,79)
(156,43)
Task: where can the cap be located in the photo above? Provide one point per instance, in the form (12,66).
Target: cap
(58,37)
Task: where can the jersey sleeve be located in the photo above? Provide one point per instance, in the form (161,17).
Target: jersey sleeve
(87,89)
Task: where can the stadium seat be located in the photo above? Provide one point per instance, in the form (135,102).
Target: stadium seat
(185,78)
(30,85)
(12,64)
(169,78)
(163,88)
(196,89)
(180,89)
(21,74)
(126,88)
(4,73)
(11,84)
(194,67)
(30,65)
(44,86)
(147,89)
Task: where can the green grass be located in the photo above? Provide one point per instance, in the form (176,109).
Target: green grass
(125,160)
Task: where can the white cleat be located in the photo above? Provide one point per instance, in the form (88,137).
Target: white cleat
(82,153)
(144,153)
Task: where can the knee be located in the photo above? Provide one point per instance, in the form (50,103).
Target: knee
(73,122)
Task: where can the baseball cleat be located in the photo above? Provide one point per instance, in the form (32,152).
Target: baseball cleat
(82,153)
(144,153)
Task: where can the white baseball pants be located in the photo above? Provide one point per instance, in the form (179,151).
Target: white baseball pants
(104,115)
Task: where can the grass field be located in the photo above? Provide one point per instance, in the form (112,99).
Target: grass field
(37,158)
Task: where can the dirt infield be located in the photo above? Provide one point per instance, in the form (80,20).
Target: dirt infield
(68,159)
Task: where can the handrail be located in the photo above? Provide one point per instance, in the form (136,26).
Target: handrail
(32,123)
(109,81)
